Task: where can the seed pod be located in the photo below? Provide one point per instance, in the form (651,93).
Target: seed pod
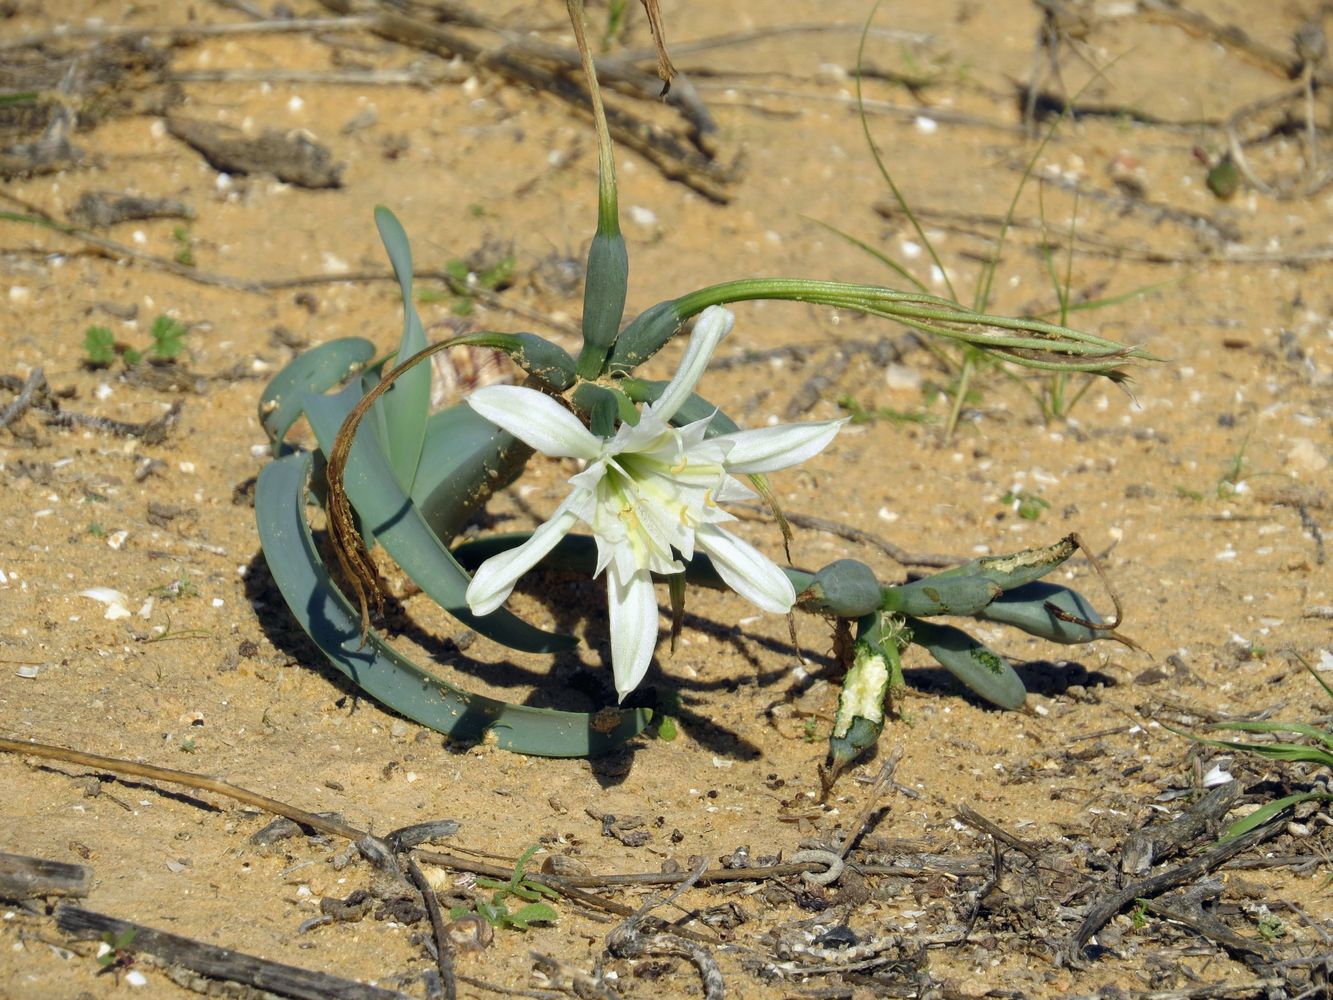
(645,335)
(846,588)
(1029,607)
(1019,568)
(876,672)
(604,293)
(544,360)
(942,595)
(983,670)
(860,716)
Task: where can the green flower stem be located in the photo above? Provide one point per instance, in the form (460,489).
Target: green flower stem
(607,281)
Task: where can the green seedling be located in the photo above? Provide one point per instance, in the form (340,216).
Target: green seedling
(177,588)
(862,415)
(115,956)
(495,911)
(388,473)
(464,283)
(1317,750)
(615,22)
(168,338)
(171,634)
(101,349)
(1138,916)
(184,246)
(1269,926)
(1028,506)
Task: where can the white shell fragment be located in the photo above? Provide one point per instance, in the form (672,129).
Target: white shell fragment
(114,600)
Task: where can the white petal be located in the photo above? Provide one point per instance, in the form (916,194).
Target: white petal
(495,578)
(733,491)
(768,449)
(537,420)
(633,606)
(746,570)
(713,324)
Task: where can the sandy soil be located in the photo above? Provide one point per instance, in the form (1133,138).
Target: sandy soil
(1207,489)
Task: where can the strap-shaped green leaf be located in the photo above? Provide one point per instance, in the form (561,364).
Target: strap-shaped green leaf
(401,414)
(981,669)
(400,527)
(317,370)
(461,448)
(1029,607)
(386,675)
(1267,811)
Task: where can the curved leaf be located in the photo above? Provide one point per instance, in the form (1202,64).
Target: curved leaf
(316,371)
(401,414)
(400,527)
(983,670)
(1029,607)
(386,675)
(461,447)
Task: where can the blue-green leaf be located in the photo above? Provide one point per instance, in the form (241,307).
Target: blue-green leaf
(401,414)
(317,370)
(1029,607)
(981,669)
(399,525)
(386,675)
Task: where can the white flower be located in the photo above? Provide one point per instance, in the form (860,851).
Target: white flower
(650,494)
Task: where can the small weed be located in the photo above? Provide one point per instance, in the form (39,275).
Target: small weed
(184,246)
(169,634)
(1028,506)
(168,338)
(860,415)
(1138,917)
(1269,926)
(956,387)
(465,282)
(101,349)
(114,955)
(1318,751)
(495,911)
(188,745)
(615,22)
(177,588)
(810,727)
(96,530)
